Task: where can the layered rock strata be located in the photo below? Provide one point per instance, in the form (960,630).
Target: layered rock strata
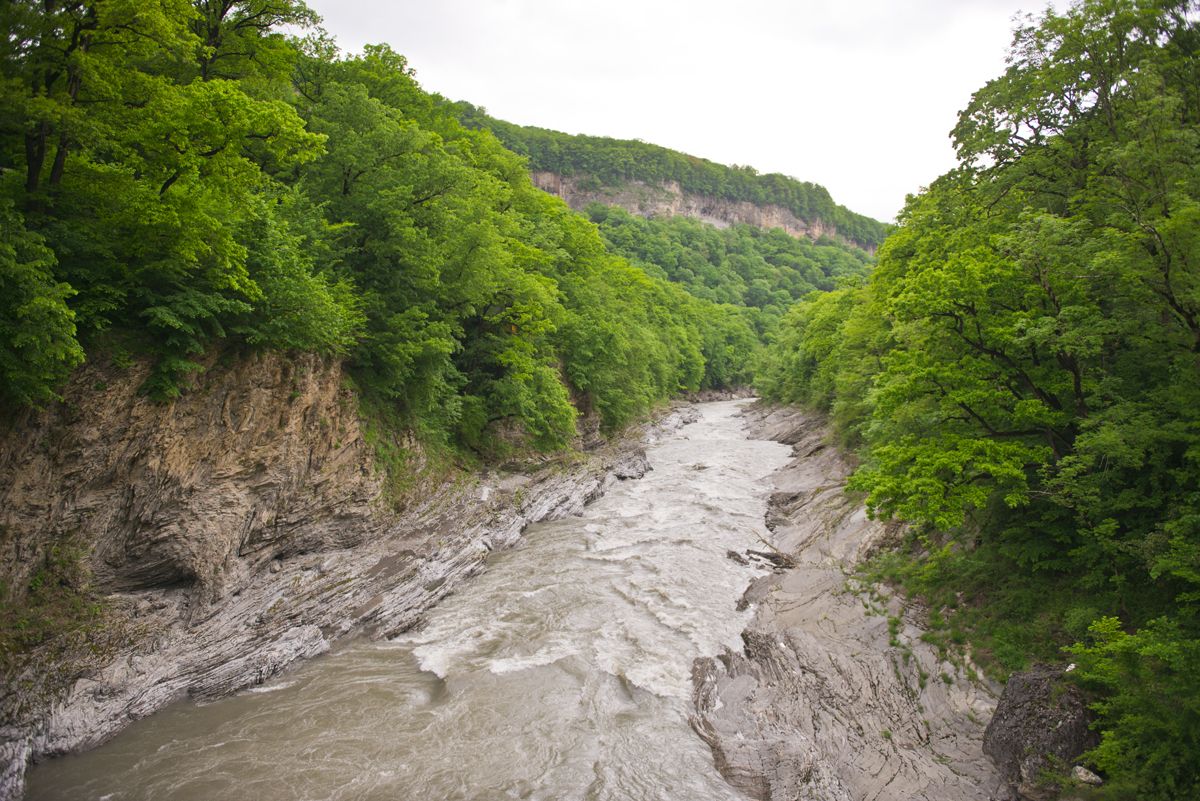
(830,700)
(669,200)
(235,531)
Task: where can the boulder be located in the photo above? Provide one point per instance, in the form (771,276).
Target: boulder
(1084,776)
(1039,729)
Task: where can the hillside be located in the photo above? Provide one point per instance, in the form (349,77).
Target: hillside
(305,252)
(650,179)
(762,271)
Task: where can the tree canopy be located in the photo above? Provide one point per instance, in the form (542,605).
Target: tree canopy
(765,271)
(177,176)
(1022,373)
(613,162)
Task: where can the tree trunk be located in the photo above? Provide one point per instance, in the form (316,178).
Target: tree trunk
(35,156)
(60,160)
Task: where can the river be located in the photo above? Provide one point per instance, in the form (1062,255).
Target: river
(561,672)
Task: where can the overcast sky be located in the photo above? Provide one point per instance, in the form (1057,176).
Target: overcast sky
(859,96)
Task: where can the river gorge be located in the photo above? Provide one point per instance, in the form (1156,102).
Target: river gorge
(563,671)
(584,661)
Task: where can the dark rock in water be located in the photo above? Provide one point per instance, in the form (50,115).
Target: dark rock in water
(1040,728)
(737,557)
(777,561)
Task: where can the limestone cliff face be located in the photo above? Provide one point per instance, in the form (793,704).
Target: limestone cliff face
(232,532)
(668,199)
(263,460)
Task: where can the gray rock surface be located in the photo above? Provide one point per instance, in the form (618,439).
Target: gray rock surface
(1084,776)
(236,531)
(1040,727)
(668,199)
(827,702)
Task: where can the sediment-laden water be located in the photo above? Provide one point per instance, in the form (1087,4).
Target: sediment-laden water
(562,672)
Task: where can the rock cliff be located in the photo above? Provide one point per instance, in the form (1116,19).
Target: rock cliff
(669,200)
(232,532)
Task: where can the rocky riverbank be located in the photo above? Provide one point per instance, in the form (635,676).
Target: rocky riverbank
(830,700)
(234,532)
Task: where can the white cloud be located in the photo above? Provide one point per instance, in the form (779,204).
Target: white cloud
(859,96)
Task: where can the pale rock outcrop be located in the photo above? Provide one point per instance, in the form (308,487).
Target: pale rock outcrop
(828,701)
(669,200)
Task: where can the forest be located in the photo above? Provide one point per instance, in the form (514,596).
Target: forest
(1018,375)
(1020,378)
(177,177)
(765,271)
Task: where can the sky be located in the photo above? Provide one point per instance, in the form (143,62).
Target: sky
(858,96)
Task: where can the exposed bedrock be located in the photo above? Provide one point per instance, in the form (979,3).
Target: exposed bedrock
(667,199)
(1041,726)
(235,531)
(828,701)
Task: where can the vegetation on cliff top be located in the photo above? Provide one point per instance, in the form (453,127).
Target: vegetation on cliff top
(604,162)
(176,175)
(1021,374)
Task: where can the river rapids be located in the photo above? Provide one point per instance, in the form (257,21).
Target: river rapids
(561,672)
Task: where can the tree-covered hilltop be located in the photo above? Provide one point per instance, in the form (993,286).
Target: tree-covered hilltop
(1021,374)
(178,176)
(763,271)
(613,162)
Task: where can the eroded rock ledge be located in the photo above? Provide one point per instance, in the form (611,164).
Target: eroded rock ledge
(827,702)
(236,531)
(669,200)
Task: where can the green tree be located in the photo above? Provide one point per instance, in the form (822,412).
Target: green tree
(38,348)
(1032,398)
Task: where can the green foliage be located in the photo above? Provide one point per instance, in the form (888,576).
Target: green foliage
(175,175)
(765,271)
(303,307)
(1022,372)
(826,354)
(38,348)
(484,297)
(150,174)
(1150,711)
(605,162)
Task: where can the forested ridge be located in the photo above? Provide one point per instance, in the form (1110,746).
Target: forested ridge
(178,176)
(1021,378)
(606,162)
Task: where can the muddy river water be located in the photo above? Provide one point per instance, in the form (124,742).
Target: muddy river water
(562,672)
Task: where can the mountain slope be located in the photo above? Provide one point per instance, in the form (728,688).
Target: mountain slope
(646,178)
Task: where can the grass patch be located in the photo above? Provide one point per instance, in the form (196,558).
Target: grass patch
(1010,616)
(408,459)
(56,600)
